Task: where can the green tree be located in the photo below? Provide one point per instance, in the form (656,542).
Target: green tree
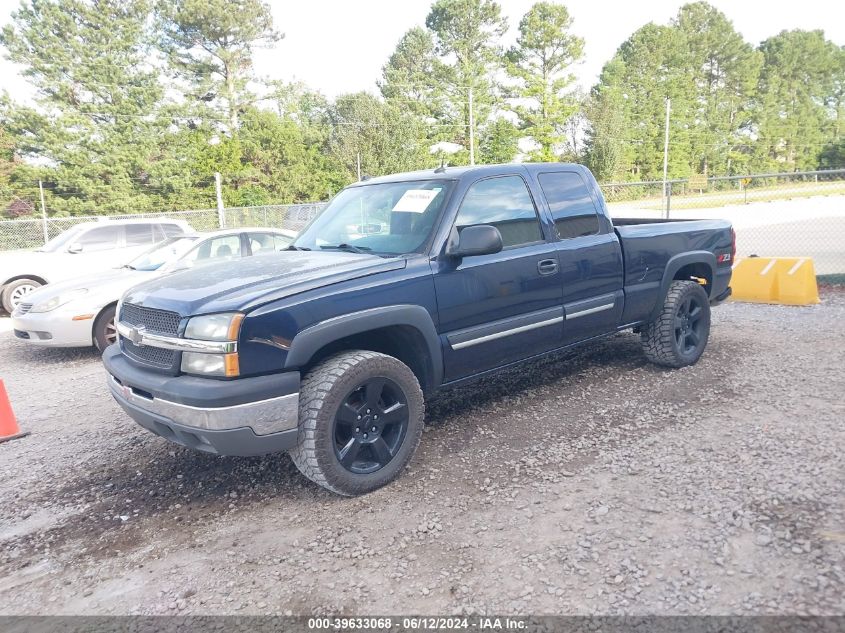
(793,121)
(466,36)
(541,60)
(410,76)
(725,70)
(98,125)
(630,100)
(498,142)
(387,139)
(210,45)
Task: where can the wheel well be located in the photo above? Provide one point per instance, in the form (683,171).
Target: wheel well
(40,280)
(103,309)
(696,272)
(403,342)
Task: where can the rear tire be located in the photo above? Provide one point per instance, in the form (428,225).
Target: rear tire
(678,336)
(105,332)
(16,290)
(360,421)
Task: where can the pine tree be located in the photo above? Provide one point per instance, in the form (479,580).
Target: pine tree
(98,126)
(466,35)
(210,46)
(798,79)
(541,62)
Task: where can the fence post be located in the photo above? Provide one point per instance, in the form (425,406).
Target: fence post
(221,212)
(668,199)
(43,213)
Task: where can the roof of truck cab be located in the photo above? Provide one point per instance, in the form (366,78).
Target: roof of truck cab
(456,173)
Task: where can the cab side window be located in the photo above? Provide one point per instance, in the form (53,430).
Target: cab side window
(101,238)
(505,203)
(266,243)
(225,246)
(569,200)
(140,234)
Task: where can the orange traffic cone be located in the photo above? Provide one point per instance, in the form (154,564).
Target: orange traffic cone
(9,429)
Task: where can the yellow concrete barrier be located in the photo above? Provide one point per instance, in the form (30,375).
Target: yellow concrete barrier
(785,280)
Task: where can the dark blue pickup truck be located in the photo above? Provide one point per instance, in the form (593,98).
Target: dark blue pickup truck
(405,284)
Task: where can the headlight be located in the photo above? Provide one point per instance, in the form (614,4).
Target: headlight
(210,364)
(58,300)
(215,327)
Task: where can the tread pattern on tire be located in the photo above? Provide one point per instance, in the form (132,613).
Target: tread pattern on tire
(313,392)
(658,337)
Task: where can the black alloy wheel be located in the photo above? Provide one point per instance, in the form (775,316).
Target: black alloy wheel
(688,324)
(370,426)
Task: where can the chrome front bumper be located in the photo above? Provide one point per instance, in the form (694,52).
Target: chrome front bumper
(263,417)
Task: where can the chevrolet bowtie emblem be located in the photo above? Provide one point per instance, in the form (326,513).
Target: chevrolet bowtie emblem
(136,335)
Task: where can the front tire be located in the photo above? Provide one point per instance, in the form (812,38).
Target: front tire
(360,421)
(16,290)
(105,331)
(678,336)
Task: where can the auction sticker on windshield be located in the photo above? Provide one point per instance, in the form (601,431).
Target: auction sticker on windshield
(415,200)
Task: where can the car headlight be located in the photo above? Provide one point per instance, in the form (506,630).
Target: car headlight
(58,300)
(215,327)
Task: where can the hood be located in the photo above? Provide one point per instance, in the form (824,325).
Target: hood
(109,285)
(247,283)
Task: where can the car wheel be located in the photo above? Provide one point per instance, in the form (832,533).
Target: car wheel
(16,290)
(360,421)
(678,336)
(105,330)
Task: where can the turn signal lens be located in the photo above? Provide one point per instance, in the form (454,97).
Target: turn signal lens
(201,364)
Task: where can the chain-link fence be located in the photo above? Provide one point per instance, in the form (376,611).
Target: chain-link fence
(794,214)
(31,233)
(777,215)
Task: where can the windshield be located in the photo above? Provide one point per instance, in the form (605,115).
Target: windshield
(163,253)
(61,240)
(384,219)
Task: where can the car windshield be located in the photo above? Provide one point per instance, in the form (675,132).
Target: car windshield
(163,253)
(383,219)
(61,240)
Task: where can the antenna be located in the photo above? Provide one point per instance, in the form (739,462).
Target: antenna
(442,168)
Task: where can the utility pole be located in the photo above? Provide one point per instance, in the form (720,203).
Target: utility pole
(221,214)
(471,130)
(666,157)
(43,213)
(358,159)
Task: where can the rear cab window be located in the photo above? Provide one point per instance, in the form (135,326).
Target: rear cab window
(570,202)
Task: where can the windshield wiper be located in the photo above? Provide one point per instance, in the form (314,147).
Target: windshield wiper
(291,247)
(129,266)
(348,247)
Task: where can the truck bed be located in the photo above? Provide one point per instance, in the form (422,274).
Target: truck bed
(648,245)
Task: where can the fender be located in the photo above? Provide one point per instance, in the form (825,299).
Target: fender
(673,266)
(307,342)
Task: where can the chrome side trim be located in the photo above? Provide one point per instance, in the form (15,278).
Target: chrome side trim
(140,337)
(497,335)
(580,313)
(263,417)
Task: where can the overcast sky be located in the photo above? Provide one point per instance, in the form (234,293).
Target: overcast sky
(340,46)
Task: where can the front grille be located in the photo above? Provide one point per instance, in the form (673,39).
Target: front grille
(157,321)
(163,358)
(23,308)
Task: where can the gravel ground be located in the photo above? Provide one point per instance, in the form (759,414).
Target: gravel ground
(590,483)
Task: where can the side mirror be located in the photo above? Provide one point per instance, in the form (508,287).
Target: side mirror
(76,247)
(481,239)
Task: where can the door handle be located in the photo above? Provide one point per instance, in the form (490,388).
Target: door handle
(547,266)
